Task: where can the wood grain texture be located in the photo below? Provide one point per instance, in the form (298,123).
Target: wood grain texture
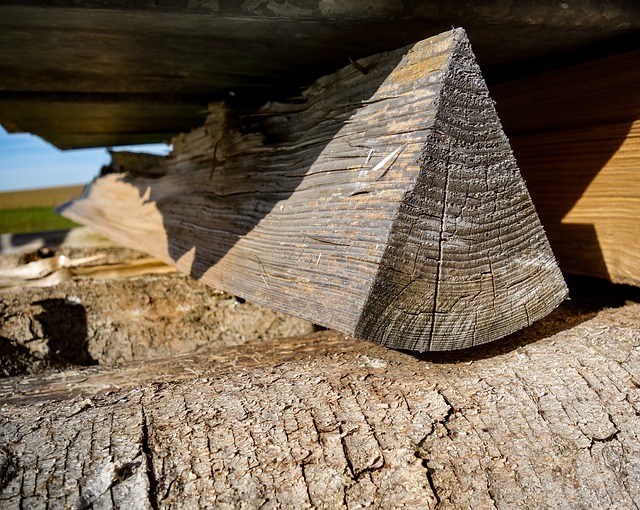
(324,422)
(387,205)
(576,135)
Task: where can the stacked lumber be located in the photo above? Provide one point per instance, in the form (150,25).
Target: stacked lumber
(386,204)
(575,133)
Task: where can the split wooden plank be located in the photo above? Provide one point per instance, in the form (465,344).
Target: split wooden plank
(576,135)
(386,205)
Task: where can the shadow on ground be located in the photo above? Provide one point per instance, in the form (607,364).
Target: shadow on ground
(587,296)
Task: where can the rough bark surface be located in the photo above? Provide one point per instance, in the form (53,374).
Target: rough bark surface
(386,205)
(548,419)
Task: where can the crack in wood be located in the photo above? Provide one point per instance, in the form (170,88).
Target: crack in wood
(436,282)
(8,467)
(429,476)
(148,455)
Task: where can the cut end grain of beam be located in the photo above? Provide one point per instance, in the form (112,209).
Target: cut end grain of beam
(386,205)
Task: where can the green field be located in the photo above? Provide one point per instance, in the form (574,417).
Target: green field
(32,219)
(33,210)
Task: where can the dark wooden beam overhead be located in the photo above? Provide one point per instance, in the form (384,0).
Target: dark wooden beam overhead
(88,73)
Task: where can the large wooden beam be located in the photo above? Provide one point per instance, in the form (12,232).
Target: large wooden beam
(576,135)
(386,203)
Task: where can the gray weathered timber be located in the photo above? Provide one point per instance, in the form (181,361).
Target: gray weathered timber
(325,422)
(388,205)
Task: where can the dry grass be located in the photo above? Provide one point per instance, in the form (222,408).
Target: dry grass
(49,197)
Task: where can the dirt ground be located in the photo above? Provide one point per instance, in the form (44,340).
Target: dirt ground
(114,318)
(88,321)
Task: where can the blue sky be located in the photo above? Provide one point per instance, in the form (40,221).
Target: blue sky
(28,162)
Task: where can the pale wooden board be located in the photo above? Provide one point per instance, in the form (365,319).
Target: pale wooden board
(576,135)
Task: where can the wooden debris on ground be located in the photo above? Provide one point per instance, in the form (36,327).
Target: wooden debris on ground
(47,259)
(117,306)
(53,270)
(386,205)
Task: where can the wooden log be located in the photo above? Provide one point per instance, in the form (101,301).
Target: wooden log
(385,204)
(576,135)
(324,422)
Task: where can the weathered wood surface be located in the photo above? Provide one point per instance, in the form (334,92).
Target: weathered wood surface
(387,205)
(106,72)
(549,420)
(575,133)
